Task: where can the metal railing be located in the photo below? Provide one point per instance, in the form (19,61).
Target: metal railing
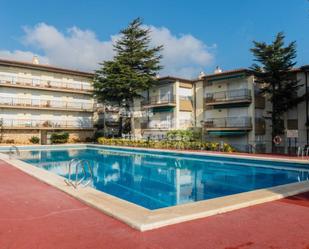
(229,122)
(51,104)
(34,123)
(225,96)
(76,182)
(13,149)
(166,124)
(160,100)
(32,82)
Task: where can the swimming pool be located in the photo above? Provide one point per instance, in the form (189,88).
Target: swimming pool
(157,179)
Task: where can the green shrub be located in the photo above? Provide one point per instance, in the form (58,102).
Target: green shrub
(165,144)
(184,135)
(34,140)
(59,138)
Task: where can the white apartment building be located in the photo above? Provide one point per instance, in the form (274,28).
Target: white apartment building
(297,118)
(168,105)
(37,100)
(233,110)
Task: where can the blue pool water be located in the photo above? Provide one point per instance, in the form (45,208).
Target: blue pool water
(156,180)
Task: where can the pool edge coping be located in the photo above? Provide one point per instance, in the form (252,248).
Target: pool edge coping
(144,219)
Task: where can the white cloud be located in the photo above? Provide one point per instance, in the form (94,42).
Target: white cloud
(21,56)
(183,55)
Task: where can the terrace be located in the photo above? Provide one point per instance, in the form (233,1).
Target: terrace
(45,124)
(157,125)
(28,103)
(229,123)
(159,101)
(232,97)
(53,85)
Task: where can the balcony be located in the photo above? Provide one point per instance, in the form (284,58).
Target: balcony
(157,125)
(228,124)
(45,124)
(158,101)
(27,103)
(230,98)
(53,85)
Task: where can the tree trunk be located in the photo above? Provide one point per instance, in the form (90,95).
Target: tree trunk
(273,119)
(120,126)
(120,121)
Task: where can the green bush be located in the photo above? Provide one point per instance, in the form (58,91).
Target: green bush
(184,135)
(59,138)
(165,144)
(34,140)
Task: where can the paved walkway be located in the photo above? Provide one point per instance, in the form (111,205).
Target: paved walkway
(34,215)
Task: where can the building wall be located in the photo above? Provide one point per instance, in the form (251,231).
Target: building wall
(200,103)
(36,98)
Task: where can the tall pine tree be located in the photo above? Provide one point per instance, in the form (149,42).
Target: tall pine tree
(132,70)
(273,72)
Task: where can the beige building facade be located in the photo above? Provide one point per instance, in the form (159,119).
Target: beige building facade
(168,105)
(37,100)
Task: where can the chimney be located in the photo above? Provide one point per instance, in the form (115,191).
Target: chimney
(201,75)
(218,70)
(35,60)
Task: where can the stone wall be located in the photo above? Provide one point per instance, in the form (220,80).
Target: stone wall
(23,136)
(19,136)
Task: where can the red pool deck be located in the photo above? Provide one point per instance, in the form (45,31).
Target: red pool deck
(34,215)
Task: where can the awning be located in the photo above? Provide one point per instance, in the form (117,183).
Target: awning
(227,133)
(163,109)
(227,77)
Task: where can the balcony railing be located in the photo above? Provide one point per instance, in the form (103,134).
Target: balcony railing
(229,122)
(241,95)
(52,84)
(49,104)
(164,125)
(36,123)
(160,100)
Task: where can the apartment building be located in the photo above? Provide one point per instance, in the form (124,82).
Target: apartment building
(168,105)
(297,118)
(234,110)
(37,100)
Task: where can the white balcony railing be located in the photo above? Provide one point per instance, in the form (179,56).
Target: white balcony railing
(50,104)
(46,123)
(229,122)
(158,124)
(32,82)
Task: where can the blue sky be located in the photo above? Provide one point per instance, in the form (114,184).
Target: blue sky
(198,35)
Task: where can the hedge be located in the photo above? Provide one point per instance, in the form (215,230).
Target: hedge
(166,144)
(59,138)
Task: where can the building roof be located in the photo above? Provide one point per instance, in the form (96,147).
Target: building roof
(27,65)
(229,72)
(168,77)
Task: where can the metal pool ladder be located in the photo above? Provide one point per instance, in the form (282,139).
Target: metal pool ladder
(13,149)
(83,164)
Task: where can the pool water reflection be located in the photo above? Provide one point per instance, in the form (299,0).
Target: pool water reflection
(156,181)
